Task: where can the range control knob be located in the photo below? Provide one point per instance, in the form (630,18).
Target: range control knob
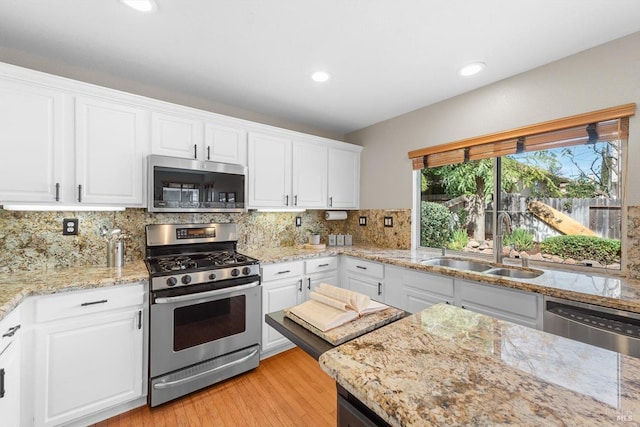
(212,276)
(235,272)
(171,281)
(186,279)
(246,271)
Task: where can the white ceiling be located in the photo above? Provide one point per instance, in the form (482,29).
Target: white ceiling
(386,57)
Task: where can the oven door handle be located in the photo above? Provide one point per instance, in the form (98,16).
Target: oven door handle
(205,295)
(169,384)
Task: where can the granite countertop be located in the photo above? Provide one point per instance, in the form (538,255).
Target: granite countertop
(608,291)
(599,289)
(449,366)
(15,287)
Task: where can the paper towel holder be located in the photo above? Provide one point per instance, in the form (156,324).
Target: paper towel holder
(335,215)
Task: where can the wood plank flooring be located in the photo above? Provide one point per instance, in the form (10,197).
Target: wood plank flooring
(288,389)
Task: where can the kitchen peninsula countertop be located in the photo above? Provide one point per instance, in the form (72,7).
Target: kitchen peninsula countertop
(15,287)
(449,366)
(591,288)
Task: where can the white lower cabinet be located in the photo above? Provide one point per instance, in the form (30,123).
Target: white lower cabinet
(88,353)
(414,291)
(10,375)
(366,277)
(320,270)
(282,287)
(524,308)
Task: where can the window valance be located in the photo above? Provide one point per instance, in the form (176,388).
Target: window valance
(598,126)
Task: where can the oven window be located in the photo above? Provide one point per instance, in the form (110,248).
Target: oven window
(210,321)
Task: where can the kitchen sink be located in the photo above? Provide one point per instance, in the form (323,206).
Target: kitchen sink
(458,264)
(514,273)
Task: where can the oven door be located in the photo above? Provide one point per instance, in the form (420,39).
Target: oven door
(192,328)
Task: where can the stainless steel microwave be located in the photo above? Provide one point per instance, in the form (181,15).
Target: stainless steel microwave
(185,185)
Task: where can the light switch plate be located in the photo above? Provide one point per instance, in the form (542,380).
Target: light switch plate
(298,221)
(388,221)
(362,220)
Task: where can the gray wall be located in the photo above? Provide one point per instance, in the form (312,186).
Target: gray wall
(51,66)
(602,77)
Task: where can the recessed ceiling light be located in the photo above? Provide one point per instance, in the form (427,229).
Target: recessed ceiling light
(320,76)
(141,5)
(471,69)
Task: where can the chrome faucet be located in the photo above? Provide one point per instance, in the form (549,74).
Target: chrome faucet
(505,219)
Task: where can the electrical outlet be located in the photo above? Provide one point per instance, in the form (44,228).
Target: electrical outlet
(70,227)
(298,221)
(363,220)
(388,221)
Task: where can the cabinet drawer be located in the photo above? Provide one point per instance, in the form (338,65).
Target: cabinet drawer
(428,282)
(319,265)
(77,303)
(508,304)
(367,268)
(282,270)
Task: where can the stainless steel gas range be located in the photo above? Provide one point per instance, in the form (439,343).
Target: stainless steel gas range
(205,308)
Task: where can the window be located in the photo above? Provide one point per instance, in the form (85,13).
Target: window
(559,182)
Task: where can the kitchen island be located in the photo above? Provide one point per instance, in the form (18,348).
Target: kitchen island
(450,366)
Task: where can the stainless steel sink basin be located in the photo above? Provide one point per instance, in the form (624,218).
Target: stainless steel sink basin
(458,264)
(515,273)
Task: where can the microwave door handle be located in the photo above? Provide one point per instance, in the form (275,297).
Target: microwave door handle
(205,295)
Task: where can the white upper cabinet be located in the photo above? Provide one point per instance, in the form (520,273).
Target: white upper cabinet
(177,135)
(193,136)
(111,144)
(269,171)
(309,175)
(225,144)
(344,179)
(31,139)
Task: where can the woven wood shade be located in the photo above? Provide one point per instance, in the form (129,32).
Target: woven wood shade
(604,125)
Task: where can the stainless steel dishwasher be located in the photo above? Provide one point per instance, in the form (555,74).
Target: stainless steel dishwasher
(603,327)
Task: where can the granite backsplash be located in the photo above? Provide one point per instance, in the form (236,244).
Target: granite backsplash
(34,240)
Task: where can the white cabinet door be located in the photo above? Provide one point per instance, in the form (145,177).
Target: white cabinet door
(269,171)
(111,144)
(176,135)
(414,291)
(516,306)
(87,364)
(373,288)
(309,175)
(10,375)
(32,140)
(363,276)
(225,144)
(344,179)
(278,295)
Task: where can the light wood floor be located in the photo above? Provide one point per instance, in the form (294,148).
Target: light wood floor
(288,389)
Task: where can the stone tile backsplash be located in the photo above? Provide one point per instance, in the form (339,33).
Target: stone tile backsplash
(34,240)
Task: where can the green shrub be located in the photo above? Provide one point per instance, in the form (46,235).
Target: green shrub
(521,239)
(434,225)
(605,251)
(459,240)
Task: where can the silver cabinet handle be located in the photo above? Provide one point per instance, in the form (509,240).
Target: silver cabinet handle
(379,288)
(79,193)
(11,331)
(57,191)
(102,301)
